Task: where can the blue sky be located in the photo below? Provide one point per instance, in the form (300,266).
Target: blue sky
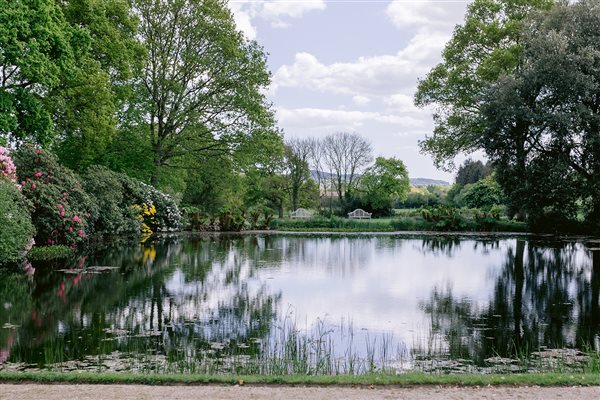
(353,65)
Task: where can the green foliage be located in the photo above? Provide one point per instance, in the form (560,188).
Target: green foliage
(383,183)
(201,83)
(446,218)
(542,120)
(483,194)
(62,213)
(38,50)
(168,217)
(486,46)
(48,253)
(419,197)
(437,219)
(231,220)
(15,222)
(471,172)
(115,213)
(333,223)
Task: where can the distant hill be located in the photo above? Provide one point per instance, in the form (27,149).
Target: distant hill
(413,181)
(427,182)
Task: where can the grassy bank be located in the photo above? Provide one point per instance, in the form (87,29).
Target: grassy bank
(397,224)
(409,379)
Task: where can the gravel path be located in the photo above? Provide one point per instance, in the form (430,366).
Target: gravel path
(138,392)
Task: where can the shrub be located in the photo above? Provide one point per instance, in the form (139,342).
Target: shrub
(7,167)
(167,216)
(115,212)
(483,194)
(47,253)
(16,227)
(62,211)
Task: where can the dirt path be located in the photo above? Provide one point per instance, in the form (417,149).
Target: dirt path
(138,392)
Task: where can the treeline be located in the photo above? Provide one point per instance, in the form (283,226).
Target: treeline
(149,88)
(520,82)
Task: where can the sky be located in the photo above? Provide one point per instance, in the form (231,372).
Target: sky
(353,65)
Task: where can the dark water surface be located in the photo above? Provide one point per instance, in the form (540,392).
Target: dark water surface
(336,300)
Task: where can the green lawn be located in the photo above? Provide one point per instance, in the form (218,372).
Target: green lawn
(409,379)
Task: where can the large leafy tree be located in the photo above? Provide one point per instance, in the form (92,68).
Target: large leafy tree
(92,103)
(471,172)
(486,46)
(384,183)
(201,82)
(556,96)
(38,48)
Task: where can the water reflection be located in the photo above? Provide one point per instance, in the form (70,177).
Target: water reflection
(546,295)
(469,298)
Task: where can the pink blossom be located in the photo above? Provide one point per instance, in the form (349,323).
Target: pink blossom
(62,213)
(80,232)
(76,219)
(70,229)
(38,174)
(37,151)
(23,183)
(60,206)
(33,186)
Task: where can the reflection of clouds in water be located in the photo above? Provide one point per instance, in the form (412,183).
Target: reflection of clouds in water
(378,281)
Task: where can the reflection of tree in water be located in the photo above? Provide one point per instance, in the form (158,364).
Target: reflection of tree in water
(164,293)
(340,255)
(446,245)
(543,296)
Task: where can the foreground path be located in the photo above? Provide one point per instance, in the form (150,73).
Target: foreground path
(138,392)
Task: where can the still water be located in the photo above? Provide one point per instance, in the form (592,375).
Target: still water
(340,303)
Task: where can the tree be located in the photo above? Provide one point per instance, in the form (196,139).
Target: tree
(484,48)
(297,153)
(553,163)
(472,171)
(483,194)
(384,183)
(201,82)
(345,156)
(90,104)
(38,48)
(318,166)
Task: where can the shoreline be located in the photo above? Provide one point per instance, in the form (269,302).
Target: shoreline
(549,379)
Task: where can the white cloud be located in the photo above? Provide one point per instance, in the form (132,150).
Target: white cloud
(277,12)
(329,120)
(361,101)
(427,15)
(243,19)
(367,76)
(292,9)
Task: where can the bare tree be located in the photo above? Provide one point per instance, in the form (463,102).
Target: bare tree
(346,154)
(317,165)
(297,153)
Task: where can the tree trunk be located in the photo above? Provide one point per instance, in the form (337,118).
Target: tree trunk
(157,164)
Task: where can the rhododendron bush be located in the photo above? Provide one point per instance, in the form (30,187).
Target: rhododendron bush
(16,228)
(66,208)
(7,167)
(62,213)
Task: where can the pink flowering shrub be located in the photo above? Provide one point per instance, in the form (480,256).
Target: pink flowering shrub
(7,167)
(62,211)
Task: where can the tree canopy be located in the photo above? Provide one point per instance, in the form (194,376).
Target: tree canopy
(201,81)
(486,46)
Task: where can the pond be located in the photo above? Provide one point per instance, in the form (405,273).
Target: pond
(316,304)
